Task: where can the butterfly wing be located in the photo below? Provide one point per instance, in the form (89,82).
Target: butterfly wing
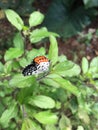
(29,70)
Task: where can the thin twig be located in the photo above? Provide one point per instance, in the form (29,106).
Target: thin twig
(24,112)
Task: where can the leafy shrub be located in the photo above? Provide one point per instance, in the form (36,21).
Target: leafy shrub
(69,17)
(21,6)
(64,99)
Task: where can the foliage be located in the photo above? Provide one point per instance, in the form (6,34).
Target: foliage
(87,37)
(67,17)
(65,99)
(21,6)
(70,17)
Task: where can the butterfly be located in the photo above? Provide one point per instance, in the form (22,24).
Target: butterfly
(40,64)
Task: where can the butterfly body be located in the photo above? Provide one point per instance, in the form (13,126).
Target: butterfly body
(40,64)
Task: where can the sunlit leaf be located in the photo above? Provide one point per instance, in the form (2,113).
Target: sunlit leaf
(13,53)
(18,41)
(20,81)
(14,19)
(29,124)
(93,65)
(83,115)
(42,101)
(63,66)
(53,50)
(80,127)
(64,123)
(73,71)
(36,18)
(39,34)
(8,114)
(65,84)
(85,65)
(46,117)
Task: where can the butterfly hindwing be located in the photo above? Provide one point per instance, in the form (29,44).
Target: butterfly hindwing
(29,70)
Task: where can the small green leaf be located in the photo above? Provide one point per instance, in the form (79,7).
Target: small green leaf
(83,115)
(36,18)
(85,65)
(53,50)
(38,34)
(46,117)
(42,101)
(13,53)
(14,19)
(65,123)
(18,41)
(94,65)
(35,52)
(20,81)
(80,127)
(23,62)
(30,125)
(65,84)
(74,71)
(8,67)
(8,114)
(63,66)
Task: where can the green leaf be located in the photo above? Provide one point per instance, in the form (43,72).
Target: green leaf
(83,115)
(18,41)
(63,66)
(53,50)
(8,114)
(74,71)
(35,52)
(46,117)
(94,66)
(23,62)
(90,3)
(65,123)
(63,19)
(20,81)
(36,18)
(8,67)
(65,84)
(42,101)
(62,58)
(13,53)
(67,69)
(14,19)
(39,34)
(85,65)
(30,125)
(80,127)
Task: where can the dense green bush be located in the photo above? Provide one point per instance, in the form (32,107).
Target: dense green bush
(23,7)
(68,17)
(65,99)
